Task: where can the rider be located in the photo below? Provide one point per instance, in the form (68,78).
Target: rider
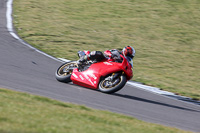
(114,54)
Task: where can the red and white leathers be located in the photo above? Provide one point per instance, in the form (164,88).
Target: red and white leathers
(97,56)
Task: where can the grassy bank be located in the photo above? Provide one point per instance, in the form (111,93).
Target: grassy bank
(165,35)
(25,113)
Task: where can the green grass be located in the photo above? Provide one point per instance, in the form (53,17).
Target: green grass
(25,113)
(165,34)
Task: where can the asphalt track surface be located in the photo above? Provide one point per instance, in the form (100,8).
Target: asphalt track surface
(24,69)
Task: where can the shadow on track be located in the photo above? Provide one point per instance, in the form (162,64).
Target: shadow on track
(153,102)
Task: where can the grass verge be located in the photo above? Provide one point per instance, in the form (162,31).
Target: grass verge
(25,113)
(165,35)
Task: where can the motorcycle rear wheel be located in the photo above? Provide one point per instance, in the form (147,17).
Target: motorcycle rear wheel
(63,73)
(121,81)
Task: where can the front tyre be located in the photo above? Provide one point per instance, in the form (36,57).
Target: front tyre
(110,86)
(63,73)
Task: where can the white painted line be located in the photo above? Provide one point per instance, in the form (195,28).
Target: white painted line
(64,60)
(164,93)
(11,31)
(9,15)
(149,88)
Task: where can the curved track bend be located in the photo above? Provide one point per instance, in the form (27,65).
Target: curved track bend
(24,69)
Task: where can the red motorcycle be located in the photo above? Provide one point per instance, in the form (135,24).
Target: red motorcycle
(106,76)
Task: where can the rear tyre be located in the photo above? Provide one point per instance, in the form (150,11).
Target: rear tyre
(63,73)
(108,86)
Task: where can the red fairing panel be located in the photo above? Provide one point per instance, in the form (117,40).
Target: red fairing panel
(90,78)
(87,78)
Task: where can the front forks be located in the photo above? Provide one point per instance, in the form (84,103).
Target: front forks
(112,80)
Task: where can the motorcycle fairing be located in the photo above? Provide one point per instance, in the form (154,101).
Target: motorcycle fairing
(90,78)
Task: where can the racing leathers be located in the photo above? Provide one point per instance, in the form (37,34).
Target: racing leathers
(97,56)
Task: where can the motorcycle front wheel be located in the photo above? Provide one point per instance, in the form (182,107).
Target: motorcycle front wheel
(110,86)
(63,73)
